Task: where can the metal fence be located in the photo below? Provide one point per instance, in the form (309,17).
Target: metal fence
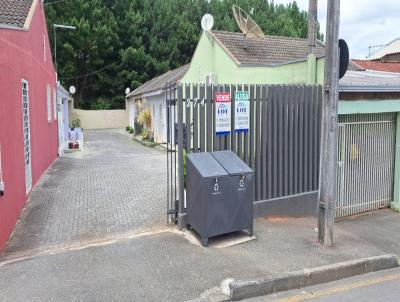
(366,152)
(281,145)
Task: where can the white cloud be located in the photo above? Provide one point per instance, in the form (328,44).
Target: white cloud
(362,22)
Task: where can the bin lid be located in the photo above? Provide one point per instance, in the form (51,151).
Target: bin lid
(206,165)
(231,162)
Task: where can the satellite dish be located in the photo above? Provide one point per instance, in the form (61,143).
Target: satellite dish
(127,91)
(207,22)
(246,23)
(72,89)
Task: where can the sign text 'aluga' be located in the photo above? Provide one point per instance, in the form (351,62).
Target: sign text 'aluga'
(242,111)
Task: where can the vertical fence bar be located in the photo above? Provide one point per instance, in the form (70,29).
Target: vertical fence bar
(168,151)
(202,118)
(290,139)
(233,133)
(209,117)
(258,142)
(280,140)
(220,138)
(225,144)
(296,105)
(306,137)
(246,136)
(251,134)
(188,119)
(180,158)
(274,140)
(286,176)
(172,163)
(311,137)
(195,94)
(316,138)
(214,106)
(270,110)
(264,129)
(319,128)
(301,140)
(176,161)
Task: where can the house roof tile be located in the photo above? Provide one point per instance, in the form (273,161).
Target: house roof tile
(14,13)
(378,65)
(268,50)
(354,66)
(159,82)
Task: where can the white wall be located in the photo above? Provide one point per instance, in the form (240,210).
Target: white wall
(130,106)
(102,119)
(157,106)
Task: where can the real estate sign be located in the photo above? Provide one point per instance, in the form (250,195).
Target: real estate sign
(242,111)
(222,113)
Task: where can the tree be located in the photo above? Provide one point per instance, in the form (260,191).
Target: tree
(124,43)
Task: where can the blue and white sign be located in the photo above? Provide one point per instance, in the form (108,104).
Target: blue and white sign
(242,111)
(222,113)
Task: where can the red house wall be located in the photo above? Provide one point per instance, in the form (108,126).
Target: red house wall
(22,56)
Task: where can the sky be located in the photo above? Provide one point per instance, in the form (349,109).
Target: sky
(363,23)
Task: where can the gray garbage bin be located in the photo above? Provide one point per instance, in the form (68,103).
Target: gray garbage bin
(241,194)
(219,195)
(206,193)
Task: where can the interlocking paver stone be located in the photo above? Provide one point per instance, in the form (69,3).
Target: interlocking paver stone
(114,186)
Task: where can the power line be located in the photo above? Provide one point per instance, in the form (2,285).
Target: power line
(118,61)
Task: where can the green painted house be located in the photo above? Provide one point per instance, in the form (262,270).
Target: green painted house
(231,58)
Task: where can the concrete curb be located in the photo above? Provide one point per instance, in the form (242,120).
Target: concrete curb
(251,288)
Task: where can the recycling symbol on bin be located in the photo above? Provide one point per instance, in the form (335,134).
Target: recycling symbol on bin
(216,186)
(241,183)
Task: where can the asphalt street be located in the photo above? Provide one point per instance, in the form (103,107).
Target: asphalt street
(374,287)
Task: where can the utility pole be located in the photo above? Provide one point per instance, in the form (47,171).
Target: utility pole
(328,158)
(312,24)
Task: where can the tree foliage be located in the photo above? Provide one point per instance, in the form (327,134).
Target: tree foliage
(123,43)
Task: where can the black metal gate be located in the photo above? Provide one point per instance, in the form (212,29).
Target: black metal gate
(172,166)
(281,145)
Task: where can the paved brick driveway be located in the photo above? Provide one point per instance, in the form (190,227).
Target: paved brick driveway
(115,186)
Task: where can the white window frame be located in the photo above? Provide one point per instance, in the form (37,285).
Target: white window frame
(27,138)
(49,103)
